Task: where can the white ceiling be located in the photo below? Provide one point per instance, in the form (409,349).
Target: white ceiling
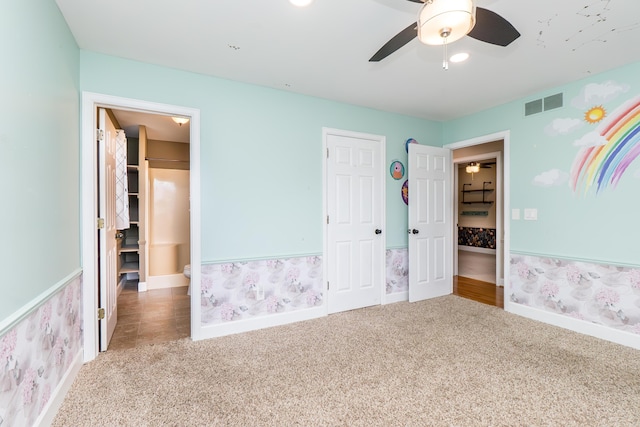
(323,50)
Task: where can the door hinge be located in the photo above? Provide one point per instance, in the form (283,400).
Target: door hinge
(101,314)
(100,223)
(327,285)
(327,219)
(327,153)
(99,134)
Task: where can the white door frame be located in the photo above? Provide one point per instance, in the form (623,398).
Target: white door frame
(498,203)
(325,229)
(506,164)
(88,147)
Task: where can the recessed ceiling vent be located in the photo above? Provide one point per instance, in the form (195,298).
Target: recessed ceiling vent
(543,104)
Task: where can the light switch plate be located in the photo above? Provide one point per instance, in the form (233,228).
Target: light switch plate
(531,214)
(515,214)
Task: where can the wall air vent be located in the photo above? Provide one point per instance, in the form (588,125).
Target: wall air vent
(543,104)
(533,107)
(553,101)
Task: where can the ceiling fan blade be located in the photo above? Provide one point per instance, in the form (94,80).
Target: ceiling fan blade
(493,28)
(399,40)
(417,1)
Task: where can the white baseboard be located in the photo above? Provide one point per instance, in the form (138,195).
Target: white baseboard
(583,327)
(167,281)
(50,410)
(396,297)
(239,326)
(142,286)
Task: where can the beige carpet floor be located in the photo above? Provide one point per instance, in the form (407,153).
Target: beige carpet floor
(443,362)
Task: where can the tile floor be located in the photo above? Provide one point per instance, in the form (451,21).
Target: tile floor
(151,317)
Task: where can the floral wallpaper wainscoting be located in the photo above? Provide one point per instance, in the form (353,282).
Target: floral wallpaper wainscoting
(397,267)
(603,294)
(36,354)
(477,237)
(243,290)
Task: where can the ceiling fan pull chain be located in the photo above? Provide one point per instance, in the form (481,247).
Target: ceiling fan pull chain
(445,61)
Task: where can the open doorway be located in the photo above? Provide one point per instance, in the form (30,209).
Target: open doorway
(477,203)
(153,244)
(91,285)
(479,212)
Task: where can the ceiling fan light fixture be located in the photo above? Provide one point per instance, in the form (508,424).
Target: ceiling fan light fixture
(473,167)
(445,21)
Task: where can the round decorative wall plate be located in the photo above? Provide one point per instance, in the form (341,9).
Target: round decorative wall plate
(405,192)
(409,141)
(396,169)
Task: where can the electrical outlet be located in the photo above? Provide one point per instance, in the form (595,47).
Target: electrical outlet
(259,293)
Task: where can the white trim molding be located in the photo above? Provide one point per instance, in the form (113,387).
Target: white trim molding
(14,319)
(576,325)
(50,410)
(246,325)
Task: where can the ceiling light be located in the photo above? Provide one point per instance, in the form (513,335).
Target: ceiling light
(473,167)
(301,3)
(445,21)
(459,57)
(180,120)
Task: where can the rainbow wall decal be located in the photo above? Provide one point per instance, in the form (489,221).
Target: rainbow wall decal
(605,164)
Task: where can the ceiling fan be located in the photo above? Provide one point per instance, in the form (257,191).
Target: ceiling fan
(445,21)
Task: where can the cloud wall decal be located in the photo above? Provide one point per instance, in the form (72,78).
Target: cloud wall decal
(563,126)
(551,178)
(598,93)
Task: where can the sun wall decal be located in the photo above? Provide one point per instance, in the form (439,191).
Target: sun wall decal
(595,114)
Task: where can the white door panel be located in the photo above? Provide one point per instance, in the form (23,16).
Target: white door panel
(430,229)
(108,296)
(355,208)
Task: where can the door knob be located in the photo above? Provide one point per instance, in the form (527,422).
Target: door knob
(414,231)
(378,231)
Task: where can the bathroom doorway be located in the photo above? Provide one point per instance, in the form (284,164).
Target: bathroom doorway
(130,256)
(154,262)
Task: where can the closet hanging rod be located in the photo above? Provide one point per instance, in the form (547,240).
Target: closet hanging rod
(158,159)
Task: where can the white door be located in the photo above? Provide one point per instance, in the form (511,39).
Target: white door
(355,208)
(108,297)
(430,222)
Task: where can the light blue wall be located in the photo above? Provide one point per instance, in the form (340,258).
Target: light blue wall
(261,155)
(39,156)
(602,227)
